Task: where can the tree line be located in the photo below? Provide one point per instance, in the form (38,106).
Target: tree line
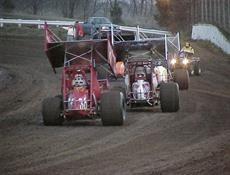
(182,14)
(81,8)
(174,14)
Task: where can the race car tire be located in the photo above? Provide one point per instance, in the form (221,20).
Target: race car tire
(191,70)
(197,69)
(120,89)
(133,105)
(169,97)
(51,111)
(181,77)
(113,108)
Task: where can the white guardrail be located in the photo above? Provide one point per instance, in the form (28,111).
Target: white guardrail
(147,31)
(212,34)
(39,23)
(171,42)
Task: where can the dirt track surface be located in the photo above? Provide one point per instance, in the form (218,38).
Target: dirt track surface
(196,140)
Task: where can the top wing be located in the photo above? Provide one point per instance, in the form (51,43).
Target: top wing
(61,53)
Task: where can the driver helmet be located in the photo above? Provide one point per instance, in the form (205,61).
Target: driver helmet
(187,44)
(140,73)
(79,80)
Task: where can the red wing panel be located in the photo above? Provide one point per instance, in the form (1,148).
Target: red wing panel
(111,57)
(80,52)
(54,48)
(55,53)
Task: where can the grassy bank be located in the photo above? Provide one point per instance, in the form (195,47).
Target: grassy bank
(32,17)
(28,31)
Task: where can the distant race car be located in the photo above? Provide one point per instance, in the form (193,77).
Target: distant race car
(148,82)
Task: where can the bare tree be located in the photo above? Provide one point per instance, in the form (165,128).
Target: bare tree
(72,4)
(68,7)
(106,6)
(85,8)
(142,6)
(94,7)
(134,7)
(7,5)
(36,4)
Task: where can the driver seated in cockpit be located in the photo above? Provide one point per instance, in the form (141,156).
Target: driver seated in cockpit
(140,87)
(79,82)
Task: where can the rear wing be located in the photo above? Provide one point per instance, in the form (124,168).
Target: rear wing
(53,47)
(82,52)
(123,49)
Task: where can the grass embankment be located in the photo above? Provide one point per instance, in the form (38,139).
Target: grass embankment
(12,30)
(29,31)
(33,17)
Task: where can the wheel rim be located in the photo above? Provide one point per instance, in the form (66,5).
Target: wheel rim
(122,106)
(192,72)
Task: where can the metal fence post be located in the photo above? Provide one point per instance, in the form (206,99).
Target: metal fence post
(1,23)
(178,40)
(19,23)
(138,33)
(39,25)
(112,39)
(166,48)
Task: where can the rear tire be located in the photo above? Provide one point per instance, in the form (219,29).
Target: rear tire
(181,77)
(197,69)
(101,74)
(169,97)
(51,111)
(113,108)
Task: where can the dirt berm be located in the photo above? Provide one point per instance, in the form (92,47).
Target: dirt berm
(195,140)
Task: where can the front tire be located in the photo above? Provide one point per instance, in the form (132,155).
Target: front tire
(191,70)
(181,77)
(169,97)
(113,108)
(51,111)
(197,69)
